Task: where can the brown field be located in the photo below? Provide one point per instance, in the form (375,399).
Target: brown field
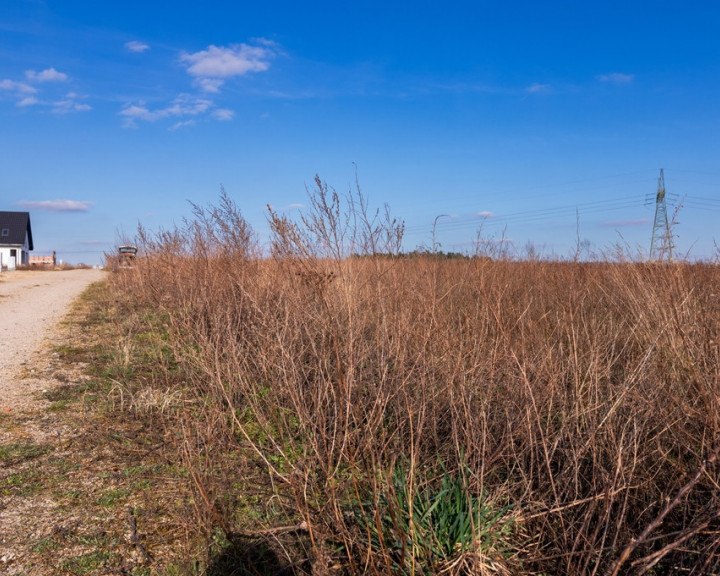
(380,414)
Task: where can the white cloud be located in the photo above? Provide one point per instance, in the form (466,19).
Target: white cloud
(212,85)
(616,78)
(56,205)
(18,87)
(183,106)
(537,88)
(26,93)
(67,106)
(179,125)
(28,101)
(210,69)
(210,66)
(135,46)
(223,114)
(47,75)
(287,208)
(70,104)
(138,112)
(485,214)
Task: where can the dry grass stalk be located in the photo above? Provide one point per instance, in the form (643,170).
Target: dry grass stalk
(580,394)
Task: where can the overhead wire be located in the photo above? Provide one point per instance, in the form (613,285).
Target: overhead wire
(477,220)
(523,216)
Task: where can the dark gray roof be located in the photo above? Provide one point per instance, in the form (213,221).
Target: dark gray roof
(17,224)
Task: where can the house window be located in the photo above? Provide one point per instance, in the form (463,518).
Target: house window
(5,232)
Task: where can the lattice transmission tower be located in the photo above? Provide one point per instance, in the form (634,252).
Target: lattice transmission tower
(662,243)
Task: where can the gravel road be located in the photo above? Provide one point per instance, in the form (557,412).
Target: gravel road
(31,305)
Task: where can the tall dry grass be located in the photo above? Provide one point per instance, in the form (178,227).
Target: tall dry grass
(563,415)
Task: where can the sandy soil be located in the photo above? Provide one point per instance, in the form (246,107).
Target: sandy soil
(31,305)
(75,482)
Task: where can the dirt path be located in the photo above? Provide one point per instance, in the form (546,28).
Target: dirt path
(86,485)
(31,304)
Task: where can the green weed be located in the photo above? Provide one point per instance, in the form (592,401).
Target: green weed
(426,527)
(85,563)
(19,452)
(113,497)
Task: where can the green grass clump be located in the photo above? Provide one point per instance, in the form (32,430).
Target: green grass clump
(426,528)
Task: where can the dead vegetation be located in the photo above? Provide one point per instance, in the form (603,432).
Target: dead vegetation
(339,409)
(344,410)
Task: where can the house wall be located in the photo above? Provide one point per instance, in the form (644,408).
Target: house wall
(21,258)
(5,258)
(26,252)
(22,254)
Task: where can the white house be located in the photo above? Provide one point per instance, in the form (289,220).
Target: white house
(15,239)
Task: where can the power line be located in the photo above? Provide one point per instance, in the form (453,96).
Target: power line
(566,210)
(534,215)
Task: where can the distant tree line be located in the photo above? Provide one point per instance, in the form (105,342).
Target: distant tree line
(421,253)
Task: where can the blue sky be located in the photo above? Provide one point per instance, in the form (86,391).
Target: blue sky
(536,122)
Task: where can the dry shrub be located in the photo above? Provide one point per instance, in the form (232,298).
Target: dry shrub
(580,400)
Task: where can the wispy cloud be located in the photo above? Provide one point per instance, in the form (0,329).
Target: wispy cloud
(139,112)
(211,85)
(184,106)
(188,106)
(212,66)
(288,207)
(616,78)
(28,95)
(485,214)
(182,124)
(56,205)
(223,114)
(537,88)
(47,75)
(70,103)
(136,46)
(28,101)
(17,87)
(626,223)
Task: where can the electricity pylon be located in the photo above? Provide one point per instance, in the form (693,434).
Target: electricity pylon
(661,243)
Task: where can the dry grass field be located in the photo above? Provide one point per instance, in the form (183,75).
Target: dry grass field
(381,414)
